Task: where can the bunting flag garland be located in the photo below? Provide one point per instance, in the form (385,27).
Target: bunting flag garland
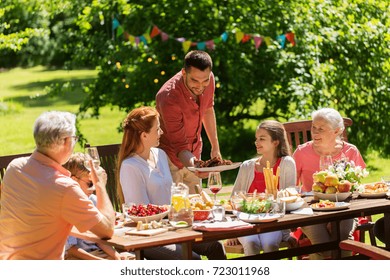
(240,37)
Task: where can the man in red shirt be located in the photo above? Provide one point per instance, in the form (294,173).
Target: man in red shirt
(186,103)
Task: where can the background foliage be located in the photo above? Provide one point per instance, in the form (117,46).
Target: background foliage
(341,58)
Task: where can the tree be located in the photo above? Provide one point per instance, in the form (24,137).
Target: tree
(341,60)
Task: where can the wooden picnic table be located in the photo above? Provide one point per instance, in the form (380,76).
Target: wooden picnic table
(358,207)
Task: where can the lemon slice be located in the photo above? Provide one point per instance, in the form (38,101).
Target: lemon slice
(179,202)
(182,223)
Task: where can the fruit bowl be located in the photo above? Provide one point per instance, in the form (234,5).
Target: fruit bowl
(201,215)
(341,196)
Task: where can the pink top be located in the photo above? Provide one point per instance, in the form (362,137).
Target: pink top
(181,117)
(308,162)
(39,205)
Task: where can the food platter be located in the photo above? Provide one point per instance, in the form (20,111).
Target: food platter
(372,195)
(218,168)
(332,196)
(257,218)
(338,206)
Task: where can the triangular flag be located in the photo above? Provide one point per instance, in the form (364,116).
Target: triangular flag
(258,40)
(239,36)
(147,37)
(224,36)
(126,35)
(119,31)
(186,46)
(210,44)
(143,39)
(181,40)
(164,36)
(115,24)
(246,38)
(137,41)
(132,39)
(201,45)
(217,40)
(290,38)
(282,40)
(155,32)
(267,41)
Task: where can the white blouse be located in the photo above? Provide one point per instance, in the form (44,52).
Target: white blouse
(143,184)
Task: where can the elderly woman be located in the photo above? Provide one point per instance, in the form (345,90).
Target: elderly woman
(327,130)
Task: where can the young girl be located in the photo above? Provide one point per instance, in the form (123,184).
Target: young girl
(271,145)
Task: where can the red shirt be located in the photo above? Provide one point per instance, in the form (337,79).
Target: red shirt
(181,117)
(258,182)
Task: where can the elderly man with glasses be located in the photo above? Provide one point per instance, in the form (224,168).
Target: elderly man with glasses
(41,202)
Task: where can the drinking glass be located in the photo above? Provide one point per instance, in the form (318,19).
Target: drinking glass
(325,162)
(92,154)
(214,183)
(386,180)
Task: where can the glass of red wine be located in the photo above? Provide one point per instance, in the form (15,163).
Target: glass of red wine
(214,184)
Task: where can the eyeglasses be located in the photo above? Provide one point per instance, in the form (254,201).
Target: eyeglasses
(89,183)
(75,138)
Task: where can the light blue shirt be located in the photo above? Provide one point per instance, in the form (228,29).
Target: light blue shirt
(142,183)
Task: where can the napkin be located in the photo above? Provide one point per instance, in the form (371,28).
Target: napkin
(221,226)
(303,211)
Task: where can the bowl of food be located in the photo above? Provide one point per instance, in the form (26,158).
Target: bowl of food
(147,213)
(293,202)
(201,215)
(252,203)
(340,196)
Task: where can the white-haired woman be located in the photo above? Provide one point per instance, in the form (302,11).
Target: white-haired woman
(326,131)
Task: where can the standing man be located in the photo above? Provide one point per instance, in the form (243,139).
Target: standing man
(186,103)
(41,202)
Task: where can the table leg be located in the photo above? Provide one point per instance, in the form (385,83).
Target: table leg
(186,248)
(139,254)
(336,254)
(387,230)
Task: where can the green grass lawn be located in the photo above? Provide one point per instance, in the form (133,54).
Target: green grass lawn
(23,99)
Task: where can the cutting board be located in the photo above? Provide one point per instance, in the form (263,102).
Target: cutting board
(147,232)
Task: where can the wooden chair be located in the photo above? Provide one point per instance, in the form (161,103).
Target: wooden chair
(299,132)
(369,251)
(108,160)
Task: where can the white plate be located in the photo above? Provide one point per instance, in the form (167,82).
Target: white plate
(148,219)
(372,195)
(257,218)
(332,196)
(215,168)
(339,206)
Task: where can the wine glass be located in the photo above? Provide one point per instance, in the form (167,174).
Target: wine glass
(325,162)
(214,184)
(91,153)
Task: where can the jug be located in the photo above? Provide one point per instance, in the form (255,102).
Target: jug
(180,213)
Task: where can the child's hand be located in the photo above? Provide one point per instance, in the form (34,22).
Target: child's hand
(126,256)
